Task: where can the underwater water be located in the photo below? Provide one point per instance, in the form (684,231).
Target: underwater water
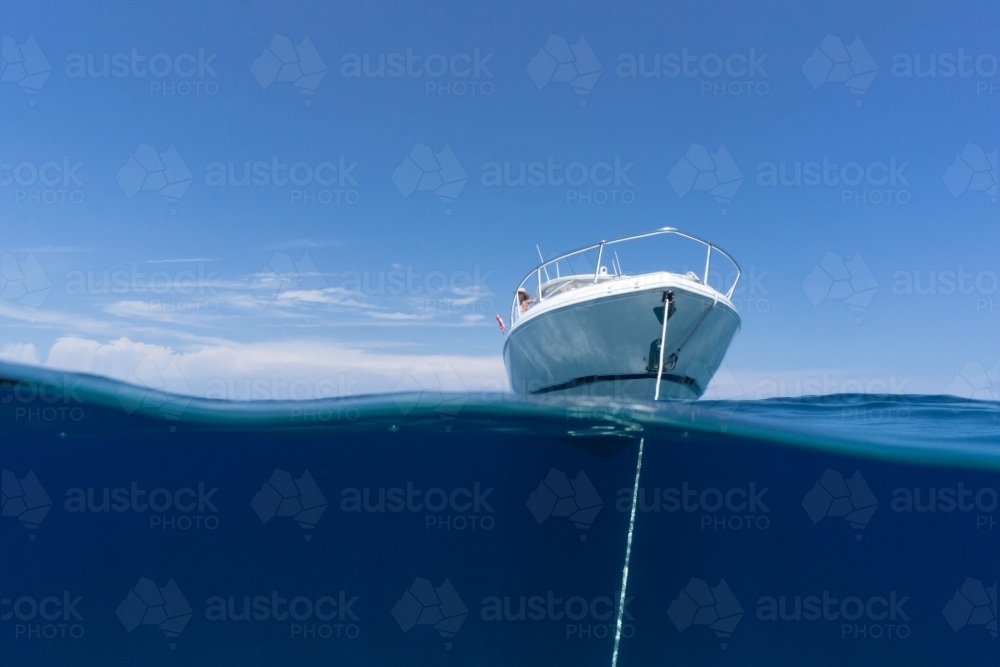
(437,529)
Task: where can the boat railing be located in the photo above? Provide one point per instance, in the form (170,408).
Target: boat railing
(546,286)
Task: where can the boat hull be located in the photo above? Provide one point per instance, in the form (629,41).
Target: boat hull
(606,344)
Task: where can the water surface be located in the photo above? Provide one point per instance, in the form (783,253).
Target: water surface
(441,529)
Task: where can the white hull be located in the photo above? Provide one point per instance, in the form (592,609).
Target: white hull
(597,340)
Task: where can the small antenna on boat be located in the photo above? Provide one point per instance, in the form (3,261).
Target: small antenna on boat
(542,260)
(618,264)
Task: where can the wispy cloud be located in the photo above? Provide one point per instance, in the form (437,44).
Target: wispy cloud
(330,296)
(59,249)
(281,369)
(186,313)
(398,316)
(292,244)
(183,260)
(66,323)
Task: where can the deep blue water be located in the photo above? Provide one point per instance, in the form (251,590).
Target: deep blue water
(483,530)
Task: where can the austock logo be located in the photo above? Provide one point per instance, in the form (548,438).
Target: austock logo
(148,170)
(459,509)
(155,384)
(975,382)
(559,496)
(946,283)
(424,386)
(835,62)
(981,67)
(47,400)
(285,280)
(284,62)
(744,74)
(183,75)
(24,499)
(715,173)
(974,170)
(184,509)
(23,64)
(973,604)
(23,281)
(326,182)
(981,502)
(581,617)
(860,617)
(833,496)
(735,509)
(601,182)
(559,62)
(48,617)
(876,182)
(164,607)
(299,499)
(471,72)
(833,279)
(322,617)
(439,607)
(424,170)
(50,182)
(724,394)
(712,606)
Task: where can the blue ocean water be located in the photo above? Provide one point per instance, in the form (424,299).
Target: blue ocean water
(445,529)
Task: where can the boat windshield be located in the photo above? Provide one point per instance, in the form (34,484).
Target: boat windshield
(569,283)
(665,249)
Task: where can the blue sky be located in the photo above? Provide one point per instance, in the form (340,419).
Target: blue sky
(265,283)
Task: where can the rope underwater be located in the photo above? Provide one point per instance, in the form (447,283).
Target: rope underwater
(628,544)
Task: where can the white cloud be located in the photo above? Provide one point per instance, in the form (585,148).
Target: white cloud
(398,316)
(21,353)
(302,369)
(187,313)
(281,370)
(332,296)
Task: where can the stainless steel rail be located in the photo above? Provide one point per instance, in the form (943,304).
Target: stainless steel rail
(601,272)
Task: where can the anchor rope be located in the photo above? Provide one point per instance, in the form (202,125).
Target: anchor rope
(668,298)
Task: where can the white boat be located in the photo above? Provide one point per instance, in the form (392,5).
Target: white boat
(599,330)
